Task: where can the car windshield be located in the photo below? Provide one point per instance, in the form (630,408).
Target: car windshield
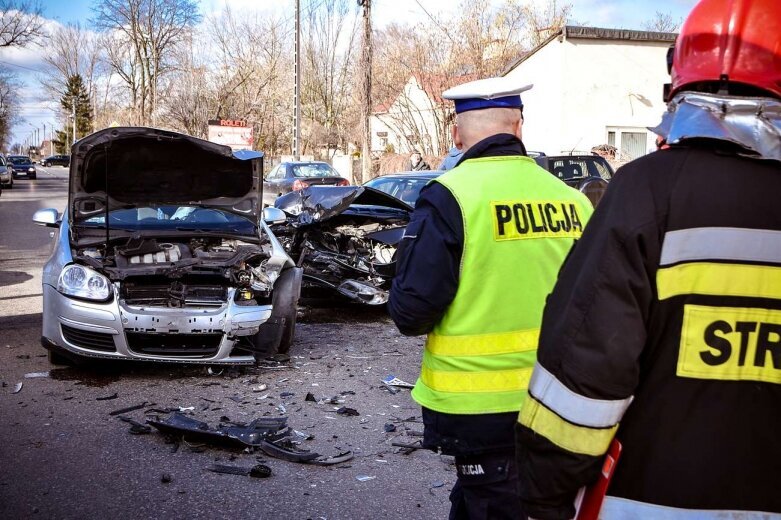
(174,218)
(313,170)
(579,168)
(407,190)
(19,160)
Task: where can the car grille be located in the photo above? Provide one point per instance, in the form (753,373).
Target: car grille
(88,339)
(182,345)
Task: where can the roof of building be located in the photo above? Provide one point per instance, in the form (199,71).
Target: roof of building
(574,32)
(432,84)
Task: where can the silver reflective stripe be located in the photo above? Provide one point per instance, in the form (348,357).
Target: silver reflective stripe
(575,408)
(624,509)
(721,243)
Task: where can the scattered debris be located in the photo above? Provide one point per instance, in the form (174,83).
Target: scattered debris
(166,478)
(136,428)
(213,373)
(120,411)
(364,478)
(107,397)
(186,408)
(351,412)
(269,434)
(256,471)
(17,388)
(281,408)
(395,381)
(310,397)
(283,395)
(390,427)
(34,375)
(260,388)
(389,388)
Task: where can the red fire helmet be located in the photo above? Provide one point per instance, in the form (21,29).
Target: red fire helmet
(733,41)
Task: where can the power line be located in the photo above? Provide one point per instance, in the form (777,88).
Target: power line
(20,66)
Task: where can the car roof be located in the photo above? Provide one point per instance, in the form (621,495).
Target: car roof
(429,174)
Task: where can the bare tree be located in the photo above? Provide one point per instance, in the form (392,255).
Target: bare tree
(662,22)
(9,103)
(140,39)
(20,23)
(542,21)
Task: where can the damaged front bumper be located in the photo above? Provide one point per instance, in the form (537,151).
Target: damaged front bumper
(114,330)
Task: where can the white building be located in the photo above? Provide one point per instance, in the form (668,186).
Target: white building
(417,118)
(594,86)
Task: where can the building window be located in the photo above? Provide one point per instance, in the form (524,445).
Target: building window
(630,143)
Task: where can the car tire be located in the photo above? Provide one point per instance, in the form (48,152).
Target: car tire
(282,322)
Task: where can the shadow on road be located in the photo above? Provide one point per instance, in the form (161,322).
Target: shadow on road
(21,321)
(13,278)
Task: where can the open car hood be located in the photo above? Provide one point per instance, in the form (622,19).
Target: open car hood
(136,166)
(320,203)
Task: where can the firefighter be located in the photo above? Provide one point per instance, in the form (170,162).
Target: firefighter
(664,328)
(478,257)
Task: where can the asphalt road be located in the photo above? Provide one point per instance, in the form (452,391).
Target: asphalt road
(63,456)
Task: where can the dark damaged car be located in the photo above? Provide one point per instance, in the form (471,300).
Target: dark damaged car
(164,254)
(345,240)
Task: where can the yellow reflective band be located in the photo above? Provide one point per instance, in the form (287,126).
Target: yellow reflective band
(475,382)
(730,344)
(576,439)
(522,219)
(752,281)
(483,344)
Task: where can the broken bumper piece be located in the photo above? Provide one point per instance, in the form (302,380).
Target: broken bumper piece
(270,435)
(363,293)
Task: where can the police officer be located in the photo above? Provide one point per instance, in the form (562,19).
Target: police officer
(478,257)
(666,318)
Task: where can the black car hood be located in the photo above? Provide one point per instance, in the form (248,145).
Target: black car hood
(319,203)
(136,166)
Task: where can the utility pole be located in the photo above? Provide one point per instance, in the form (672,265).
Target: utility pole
(297,88)
(366,101)
(73,115)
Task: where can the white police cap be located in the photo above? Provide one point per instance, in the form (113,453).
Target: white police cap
(486,93)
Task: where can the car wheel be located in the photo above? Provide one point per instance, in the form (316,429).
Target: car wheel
(282,323)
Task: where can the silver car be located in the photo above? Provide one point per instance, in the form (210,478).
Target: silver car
(6,178)
(163,254)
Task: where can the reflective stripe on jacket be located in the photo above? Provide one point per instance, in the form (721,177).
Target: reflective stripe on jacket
(519,224)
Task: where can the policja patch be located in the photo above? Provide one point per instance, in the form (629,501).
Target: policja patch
(516,220)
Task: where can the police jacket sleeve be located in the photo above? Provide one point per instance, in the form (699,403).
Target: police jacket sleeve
(428,262)
(592,336)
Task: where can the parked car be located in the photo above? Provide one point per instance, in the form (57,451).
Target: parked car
(588,173)
(22,165)
(6,176)
(295,176)
(345,238)
(56,160)
(164,254)
(405,185)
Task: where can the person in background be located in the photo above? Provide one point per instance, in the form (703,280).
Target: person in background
(417,163)
(664,328)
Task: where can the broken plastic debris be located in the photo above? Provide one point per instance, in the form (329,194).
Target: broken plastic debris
(281,408)
(395,381)
(166,478)
(34,375)
(260,388)
(186,408)
(364,478)
(136,428)
(256,471)
(131,408)
(310,397)
(389,427)
(351,412)
(212,372)
(107,397)
(17,388)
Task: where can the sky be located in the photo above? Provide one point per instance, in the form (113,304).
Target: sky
(38,111)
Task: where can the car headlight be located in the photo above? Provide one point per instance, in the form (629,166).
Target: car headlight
(83,282)
(30,169)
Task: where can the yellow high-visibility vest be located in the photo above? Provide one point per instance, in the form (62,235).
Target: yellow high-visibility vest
(519,224)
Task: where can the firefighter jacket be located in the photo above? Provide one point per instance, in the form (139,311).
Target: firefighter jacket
(519,224)
(664,330)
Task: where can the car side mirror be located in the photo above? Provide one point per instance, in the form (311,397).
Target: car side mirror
(48,217)
(274,216)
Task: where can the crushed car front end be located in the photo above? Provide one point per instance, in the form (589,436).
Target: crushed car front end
(162,255)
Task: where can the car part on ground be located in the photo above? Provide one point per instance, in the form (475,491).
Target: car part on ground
(589,174)
(271,435)
(162,255)
(345,240)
